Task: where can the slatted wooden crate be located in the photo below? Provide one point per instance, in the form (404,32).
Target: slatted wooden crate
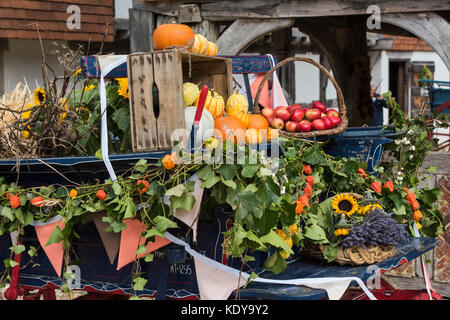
(154,120)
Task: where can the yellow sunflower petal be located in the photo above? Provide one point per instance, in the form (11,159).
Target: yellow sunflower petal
(344,199)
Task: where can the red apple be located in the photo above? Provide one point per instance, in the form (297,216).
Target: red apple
(319,105)
(306,110)
(277,123)
(323,115)
(318,124)
(336,120)
(282,113)
(291,126)
(270,119)
(268,112)
(332,112)
(313,114)
(293,107)
(304,126)
(328,123)
(297,115)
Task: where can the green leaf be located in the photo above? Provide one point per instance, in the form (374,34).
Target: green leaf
(18,249)
(313,155)
(55,237)
(141,165)
(117,188)
(163,223)
(276,241)
(7,212)
(249,171)
(176,191)
(19,215)
(400,211)
(267,222)
(275,263)
(130,209)
(141,250)
(139,283)
(98,154)
(330,252)
(186,201)
(315,233)
(229,183)
(153,232)
(205,172)
(210,182)
(149,257)
(227,171)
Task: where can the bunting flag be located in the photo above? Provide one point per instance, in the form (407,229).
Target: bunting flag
(131,239)
(277,95)
(54,251)
(111,240)
(214,283)
(264,97)
(190,218)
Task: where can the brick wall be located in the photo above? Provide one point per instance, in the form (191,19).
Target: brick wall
(19,19)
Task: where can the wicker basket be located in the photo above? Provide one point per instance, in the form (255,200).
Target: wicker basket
(352,256)
(340,98)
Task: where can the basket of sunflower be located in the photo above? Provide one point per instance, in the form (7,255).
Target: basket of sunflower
(358,231)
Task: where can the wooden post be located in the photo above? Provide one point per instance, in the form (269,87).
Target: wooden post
(141,26)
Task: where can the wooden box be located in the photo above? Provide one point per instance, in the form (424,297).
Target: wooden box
(154,120)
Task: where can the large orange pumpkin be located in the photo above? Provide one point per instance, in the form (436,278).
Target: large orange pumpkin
(257,121)
(173,34)
(231,128)
(238,114)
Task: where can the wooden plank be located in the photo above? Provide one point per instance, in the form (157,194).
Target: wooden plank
(141,26)
(168,77)
(143,121)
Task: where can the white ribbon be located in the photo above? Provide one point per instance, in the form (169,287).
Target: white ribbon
(107,64)
(319,283)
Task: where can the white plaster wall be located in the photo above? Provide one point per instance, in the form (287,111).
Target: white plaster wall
(22,60)
(121,8)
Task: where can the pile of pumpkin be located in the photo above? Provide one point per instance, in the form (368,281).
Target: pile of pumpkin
(232,117)
(181,35)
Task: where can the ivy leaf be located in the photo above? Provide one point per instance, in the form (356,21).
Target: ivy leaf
(229,183)
(249,171)
(55,237)
(18,249)
(330,252)
(140,166)
(176,191)
(19,215)
(141,250)
(313,155)
(400,211)
(186,201)
(267,222)
(275,263)
(227,171)
(7,212)
(163,223)
(276,241)
(117,188)
(210,182)
(315,233)
(130,209)
(205,172)
(139,283)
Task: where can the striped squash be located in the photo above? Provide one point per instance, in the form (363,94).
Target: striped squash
(237,100)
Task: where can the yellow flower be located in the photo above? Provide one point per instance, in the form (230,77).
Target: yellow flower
(341,232)
(123,90)
(211,143)
(26,134)
(77,72)
(363,210)
(345,203)
(63,115)
(27,114)
(89,87)
(419,226)
(39,96)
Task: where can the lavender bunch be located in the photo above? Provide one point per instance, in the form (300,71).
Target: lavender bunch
(378,228)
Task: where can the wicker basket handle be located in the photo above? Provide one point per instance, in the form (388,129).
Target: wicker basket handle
(340,96)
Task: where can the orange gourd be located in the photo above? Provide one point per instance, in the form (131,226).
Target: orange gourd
(237,113)
(173,34)
(231,128)
(257,121)
(200,45)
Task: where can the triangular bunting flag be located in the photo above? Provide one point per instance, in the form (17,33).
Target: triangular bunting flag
(264,98)
(54,251)
(190,218)
(111,240)
(215,283)
(277,95)
(131,239)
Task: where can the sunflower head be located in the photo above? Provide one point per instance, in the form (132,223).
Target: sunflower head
(123,89)
(39,96)
(363,210)
(345,204)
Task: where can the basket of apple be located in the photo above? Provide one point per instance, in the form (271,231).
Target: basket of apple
(296,121)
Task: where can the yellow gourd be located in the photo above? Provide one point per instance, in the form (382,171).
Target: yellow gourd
(217,105)
(212,49)
(200,44)
(237,100)
(239,114)
(191,92)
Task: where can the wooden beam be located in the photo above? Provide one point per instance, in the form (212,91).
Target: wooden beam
(228,10)
(428,26)
(243,32)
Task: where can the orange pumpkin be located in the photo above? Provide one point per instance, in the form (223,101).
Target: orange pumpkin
(253,136)
(173,34)
(257,121)
(231,128)
(238,114)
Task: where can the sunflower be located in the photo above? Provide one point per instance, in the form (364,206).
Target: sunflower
(123,90)
(370,207)
(345,203)
(63,115)
(27,114)
(39,96)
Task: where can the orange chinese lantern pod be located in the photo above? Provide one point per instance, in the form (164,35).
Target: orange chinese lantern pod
(308,190)
(37,201)
(73,193)
(410,197)
(362,172)
(14,201)
(310,180)
(280,233)
(417,215)
(101,195)
(389,185)
(415,205)
(173,34)
(406,190)
(307,169)
(376,186)
(168,162)
(144,189)
(293,229)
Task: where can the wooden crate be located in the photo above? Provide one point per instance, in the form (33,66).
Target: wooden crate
(152,122)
